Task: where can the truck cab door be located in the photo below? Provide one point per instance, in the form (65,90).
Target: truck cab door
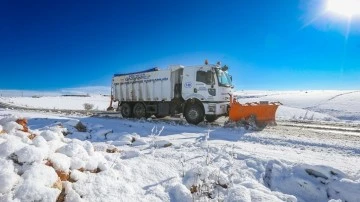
(205,84)
(199,83)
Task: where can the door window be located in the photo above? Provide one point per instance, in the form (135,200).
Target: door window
(204,77)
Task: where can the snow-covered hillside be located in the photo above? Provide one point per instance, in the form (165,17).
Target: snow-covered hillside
(91,90)
(63,99)
(99,102)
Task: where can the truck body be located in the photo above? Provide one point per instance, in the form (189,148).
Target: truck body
(198,92)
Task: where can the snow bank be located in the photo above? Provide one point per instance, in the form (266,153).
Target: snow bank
(30,154)
(60,161)
(37,185)
(180,192)
(311,183)
(74,149)
(49,135)
(11,145)
(215,182)
(32,164)
(8,178)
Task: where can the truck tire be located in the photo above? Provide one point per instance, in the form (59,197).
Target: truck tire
(126,110)
(139,110)
(211,118)
(194,114)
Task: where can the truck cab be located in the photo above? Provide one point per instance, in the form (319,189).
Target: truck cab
(206,90)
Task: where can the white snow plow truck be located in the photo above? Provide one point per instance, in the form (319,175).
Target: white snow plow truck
(198,92)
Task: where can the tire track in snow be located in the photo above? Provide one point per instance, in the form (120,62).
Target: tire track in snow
(316,126)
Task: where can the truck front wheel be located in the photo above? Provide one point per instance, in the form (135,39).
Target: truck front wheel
(126,110)
(194,114)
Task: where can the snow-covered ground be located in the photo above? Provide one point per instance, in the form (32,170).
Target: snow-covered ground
(118,159)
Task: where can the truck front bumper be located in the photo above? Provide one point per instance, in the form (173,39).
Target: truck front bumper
(216,108)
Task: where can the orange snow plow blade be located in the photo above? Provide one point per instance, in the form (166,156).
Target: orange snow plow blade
(258,114)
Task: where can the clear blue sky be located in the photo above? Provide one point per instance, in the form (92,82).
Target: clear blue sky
(48,45)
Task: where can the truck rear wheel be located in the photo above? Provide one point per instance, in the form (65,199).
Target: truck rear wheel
(126,110)
(194,114)
(139,110)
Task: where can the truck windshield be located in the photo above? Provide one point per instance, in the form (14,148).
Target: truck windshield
(223,78)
